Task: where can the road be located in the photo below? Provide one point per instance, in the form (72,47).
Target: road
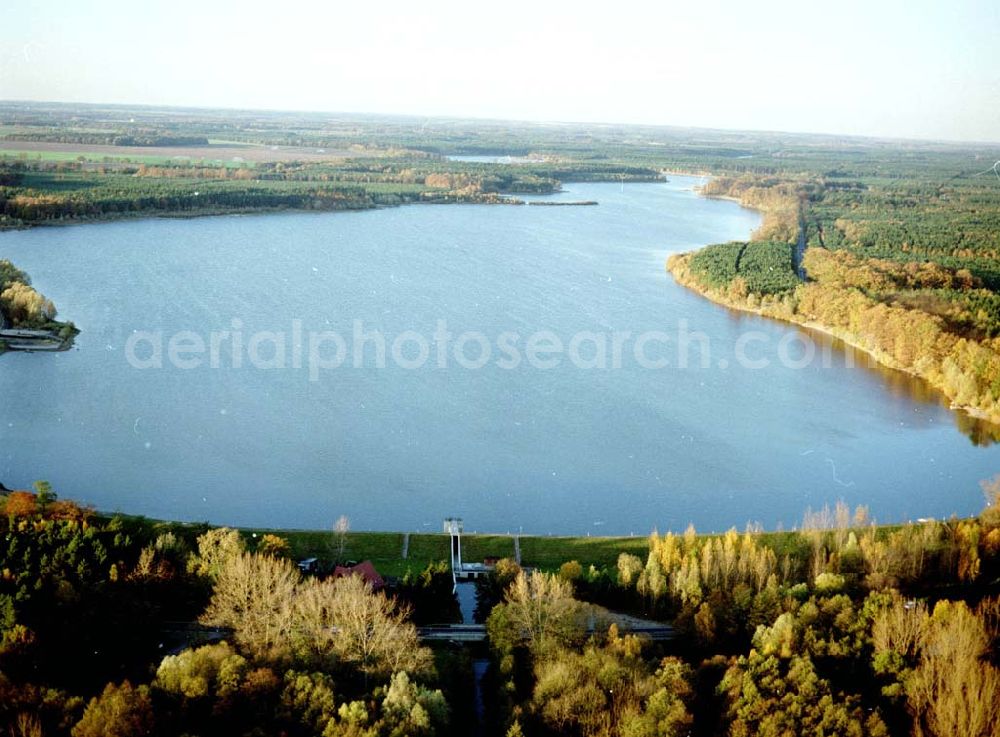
(461,633)
(598,620)
(800,246)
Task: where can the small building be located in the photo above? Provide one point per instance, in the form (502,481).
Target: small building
(471,571)
(366,570)
(453,526)
(460,570)
(307,565)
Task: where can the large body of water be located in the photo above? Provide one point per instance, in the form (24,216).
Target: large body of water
(561,450)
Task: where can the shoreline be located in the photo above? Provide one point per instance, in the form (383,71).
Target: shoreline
(14,340)
(114,217)
(428,198)
(850,339)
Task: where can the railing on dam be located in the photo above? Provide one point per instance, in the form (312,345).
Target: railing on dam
(477,632)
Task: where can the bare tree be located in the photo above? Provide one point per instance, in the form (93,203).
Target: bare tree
(897,628)
(953,690)
(254,595)
(340,529)
(275,613)
(344,620)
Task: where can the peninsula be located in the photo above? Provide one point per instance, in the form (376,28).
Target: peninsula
(902,269)
(27,318)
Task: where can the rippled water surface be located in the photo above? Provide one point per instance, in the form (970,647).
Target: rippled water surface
(561,450)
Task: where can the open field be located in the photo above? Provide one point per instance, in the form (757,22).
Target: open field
(231,152)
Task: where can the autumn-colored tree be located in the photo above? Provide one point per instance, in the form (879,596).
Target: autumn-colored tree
(492,588)
(570,571)
(611,690)
(540,612)
(120,711)
(410,709)
(65,509)
(215,549)
(10,273)
(954,688)
(897,629)
(27,725)
(773,696)
(211,670)
(26,307)
(629,568)
(308,699)
(276,547)
(20,504)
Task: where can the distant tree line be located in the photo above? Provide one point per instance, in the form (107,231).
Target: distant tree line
(124,138)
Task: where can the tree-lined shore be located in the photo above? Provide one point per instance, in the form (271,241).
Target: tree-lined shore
(903,270)
(115,625)
(901,255)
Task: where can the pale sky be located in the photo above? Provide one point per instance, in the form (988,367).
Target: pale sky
(924,69)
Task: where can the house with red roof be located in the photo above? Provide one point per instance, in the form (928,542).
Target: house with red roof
(366,570)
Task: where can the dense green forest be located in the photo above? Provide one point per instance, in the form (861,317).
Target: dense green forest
(125,626)
(761,267)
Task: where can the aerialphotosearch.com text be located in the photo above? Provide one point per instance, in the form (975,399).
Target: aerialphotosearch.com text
(364,347)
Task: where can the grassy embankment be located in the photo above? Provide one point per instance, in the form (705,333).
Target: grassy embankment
(385,549)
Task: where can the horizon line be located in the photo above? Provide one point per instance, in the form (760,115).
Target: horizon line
(514,120)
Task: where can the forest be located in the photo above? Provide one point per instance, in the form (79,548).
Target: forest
(122,138)
(760,267)
(120,626)
(904,268)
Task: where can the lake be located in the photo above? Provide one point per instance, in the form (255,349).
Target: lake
(579,447)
